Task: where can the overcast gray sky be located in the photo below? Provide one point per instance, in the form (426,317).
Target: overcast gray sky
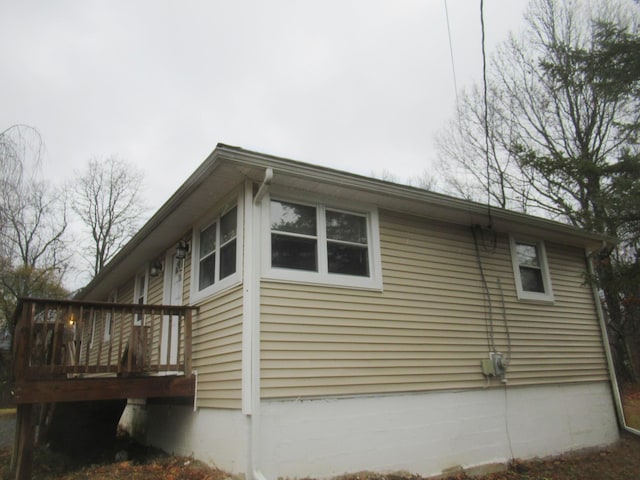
(359,85)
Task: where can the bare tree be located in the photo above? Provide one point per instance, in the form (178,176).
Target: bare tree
(20,151)
(107,201)
(477,165)
(560,138)
(542,106)
(425,180)
(33,255)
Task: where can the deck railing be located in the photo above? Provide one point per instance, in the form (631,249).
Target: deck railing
(68,338)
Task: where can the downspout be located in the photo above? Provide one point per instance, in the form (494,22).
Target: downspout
(264,188)
(251,398)
(607,350)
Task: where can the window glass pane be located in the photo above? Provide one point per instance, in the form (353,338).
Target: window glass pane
(531,279)
(527,255)
(207,272)
(140,281)
(346,227)
(294,252)
(293,218)
(347,259)
(140,288)
(228,225)
(207,241)
(228,259)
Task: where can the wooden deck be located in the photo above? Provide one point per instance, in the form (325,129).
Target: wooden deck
(67,350)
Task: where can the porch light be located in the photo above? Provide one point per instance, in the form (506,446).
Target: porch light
(182,250)
(156,268)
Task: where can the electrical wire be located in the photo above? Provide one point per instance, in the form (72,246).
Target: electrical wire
(486,112)
(504,319)
(453,65)
(485,289)
(506,422)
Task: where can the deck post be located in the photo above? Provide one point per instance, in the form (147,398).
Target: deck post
(21,347)
(22,457)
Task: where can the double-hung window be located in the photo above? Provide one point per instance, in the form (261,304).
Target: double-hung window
(294,236)
(215,258)
(531,270)
(347,243)
(321,244)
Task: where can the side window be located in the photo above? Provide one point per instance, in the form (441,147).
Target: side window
(108,323)
(140,295)
(215,257)
(228,243)
(531,270)
(92,333)
(207,256)
(320,244)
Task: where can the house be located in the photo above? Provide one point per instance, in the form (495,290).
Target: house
(346,323)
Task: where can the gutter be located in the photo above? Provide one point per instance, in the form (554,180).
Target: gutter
(607,349)
(386,190)
(253,166)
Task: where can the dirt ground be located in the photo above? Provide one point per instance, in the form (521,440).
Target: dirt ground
(631,405)
(616,462)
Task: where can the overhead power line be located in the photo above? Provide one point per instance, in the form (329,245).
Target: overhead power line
(453,65)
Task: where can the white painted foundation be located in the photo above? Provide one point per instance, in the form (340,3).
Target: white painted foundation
(427,433)
(216,436)
(422,433)
(134,418)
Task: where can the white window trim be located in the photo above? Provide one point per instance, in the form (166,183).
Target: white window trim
(547,296)
(322,276)
(144,273)
(109,321)
(233,279)
(94,319)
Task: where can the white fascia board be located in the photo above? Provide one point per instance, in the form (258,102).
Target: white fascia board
(414,200)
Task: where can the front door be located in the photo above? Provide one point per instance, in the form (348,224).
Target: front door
(173,282)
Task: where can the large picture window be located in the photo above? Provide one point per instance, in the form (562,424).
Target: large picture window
(215,253)
(321,244)
(531,271)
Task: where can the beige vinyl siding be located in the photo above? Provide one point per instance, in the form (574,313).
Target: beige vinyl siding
(217,350)
(217,338)
(125,293)
(155,289)
(427,330)
(186,286)
(113,348)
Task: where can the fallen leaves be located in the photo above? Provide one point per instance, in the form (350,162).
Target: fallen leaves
(170,468)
